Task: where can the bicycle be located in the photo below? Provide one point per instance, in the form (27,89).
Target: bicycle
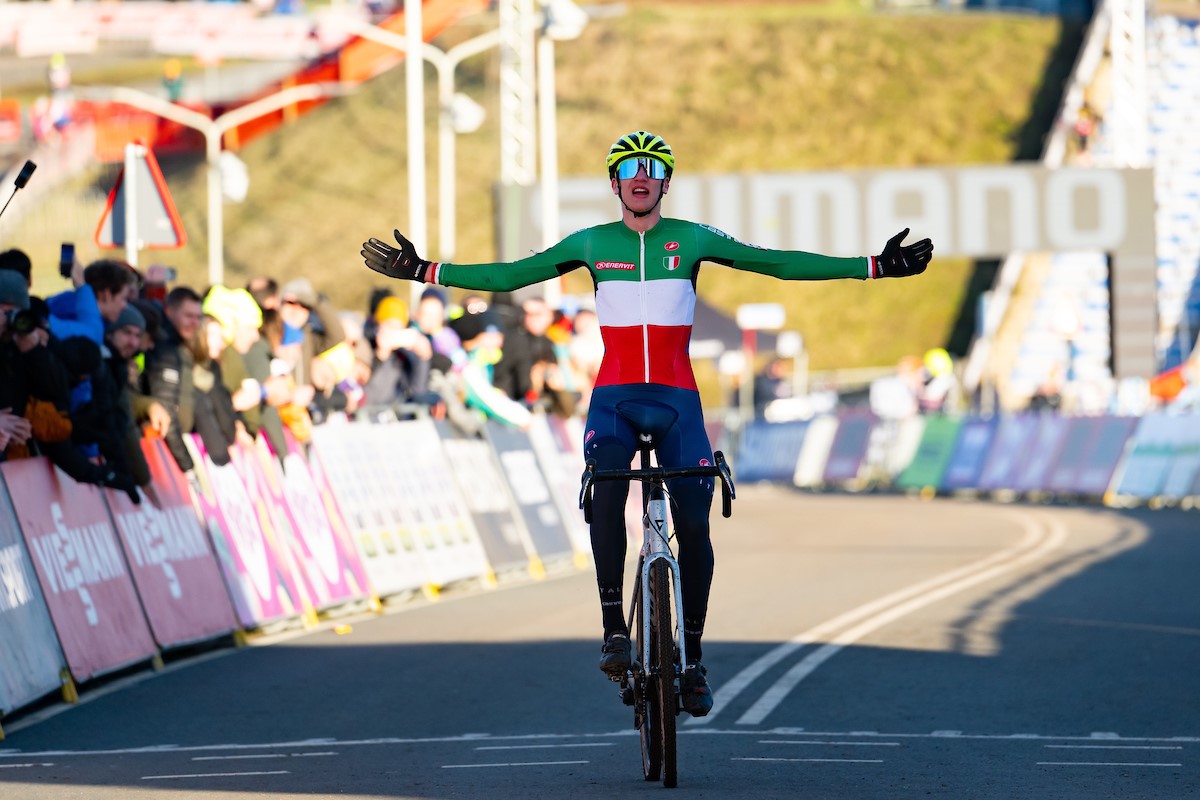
(651,685)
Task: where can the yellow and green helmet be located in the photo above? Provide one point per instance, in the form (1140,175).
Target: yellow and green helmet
(640,144)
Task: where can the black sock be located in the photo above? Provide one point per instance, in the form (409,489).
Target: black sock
(691,640)
(612,611)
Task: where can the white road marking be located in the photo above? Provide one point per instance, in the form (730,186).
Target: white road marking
(552,737)
(836,744)
(261,755)
(738,683)
(543,746)
(775,695)
(512,764)
(1111,747)
(816,760)
(22,766)
(1103,764)
(211,775)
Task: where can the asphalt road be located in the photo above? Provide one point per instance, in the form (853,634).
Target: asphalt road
(862,647)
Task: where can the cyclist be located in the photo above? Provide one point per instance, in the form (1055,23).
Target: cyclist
(644,270)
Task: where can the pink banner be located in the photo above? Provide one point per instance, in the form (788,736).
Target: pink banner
(79,565)
(172,562)
(256,566)
(312,527)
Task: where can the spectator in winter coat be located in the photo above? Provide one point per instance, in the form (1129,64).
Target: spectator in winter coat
(168,374)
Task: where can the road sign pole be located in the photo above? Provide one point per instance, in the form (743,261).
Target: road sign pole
(131,209)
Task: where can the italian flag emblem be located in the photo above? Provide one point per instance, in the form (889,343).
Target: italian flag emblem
(671,262)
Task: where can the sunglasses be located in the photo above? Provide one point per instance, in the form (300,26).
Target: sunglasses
(655,169)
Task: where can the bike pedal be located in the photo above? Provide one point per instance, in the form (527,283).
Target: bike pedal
(627,695)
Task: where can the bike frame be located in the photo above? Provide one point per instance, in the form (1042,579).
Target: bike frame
(656,546)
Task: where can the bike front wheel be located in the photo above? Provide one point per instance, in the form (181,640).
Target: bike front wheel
(662,679)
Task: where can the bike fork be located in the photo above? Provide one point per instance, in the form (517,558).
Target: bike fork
(655,549)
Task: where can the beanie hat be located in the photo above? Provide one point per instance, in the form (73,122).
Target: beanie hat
(13,290)
(299,290)
(232,308)
(129,317)
(392,308)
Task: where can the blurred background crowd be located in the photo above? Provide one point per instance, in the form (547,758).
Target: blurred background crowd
(122,354)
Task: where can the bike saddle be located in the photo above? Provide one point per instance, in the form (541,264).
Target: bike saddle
(648,417)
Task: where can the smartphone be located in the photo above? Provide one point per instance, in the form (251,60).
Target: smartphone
(66,259)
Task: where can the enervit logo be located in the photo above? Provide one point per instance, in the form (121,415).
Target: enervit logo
(615,265)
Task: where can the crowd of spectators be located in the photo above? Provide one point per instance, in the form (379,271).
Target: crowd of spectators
(87,373)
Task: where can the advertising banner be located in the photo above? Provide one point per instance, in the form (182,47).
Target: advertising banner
(1145,470)
(79,565)
(520,467)
(970,452)
(252,558)
(814,451)
(30,660)
(561,457)
(768,451)
(933,454)
(1075,450)
(501,528)
(849,447)
(170,557)
(1013,437)
(355,468)
(319,544)
(1034,469)
(1183,479)
(1104,454)
(429,501)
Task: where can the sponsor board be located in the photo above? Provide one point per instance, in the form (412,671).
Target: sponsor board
(170,557)
(356,470)
(30,660)
(80,568)
(325,563)
(255,563)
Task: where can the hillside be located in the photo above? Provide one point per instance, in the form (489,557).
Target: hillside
(765,86)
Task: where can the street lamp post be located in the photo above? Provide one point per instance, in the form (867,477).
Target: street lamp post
(449,122)
(213,130)
(561,20)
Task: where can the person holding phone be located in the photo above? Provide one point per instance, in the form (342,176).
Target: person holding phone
(102,290)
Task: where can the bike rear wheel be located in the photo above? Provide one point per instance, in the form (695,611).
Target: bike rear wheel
(662,654)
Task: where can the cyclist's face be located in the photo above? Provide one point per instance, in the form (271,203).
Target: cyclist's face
(640,193)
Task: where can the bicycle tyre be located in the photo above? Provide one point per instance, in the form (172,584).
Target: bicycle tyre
(646,714)
(662,652)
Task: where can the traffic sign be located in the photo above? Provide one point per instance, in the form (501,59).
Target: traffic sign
(156,223)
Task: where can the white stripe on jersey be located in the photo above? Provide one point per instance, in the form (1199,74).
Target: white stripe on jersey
(670,301)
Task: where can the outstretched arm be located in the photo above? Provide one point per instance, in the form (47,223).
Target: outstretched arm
(505,276)
(895,261)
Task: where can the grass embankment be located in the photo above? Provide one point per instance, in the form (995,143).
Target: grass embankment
(732,87)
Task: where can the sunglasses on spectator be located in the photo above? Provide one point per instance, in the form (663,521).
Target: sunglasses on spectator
(655,169)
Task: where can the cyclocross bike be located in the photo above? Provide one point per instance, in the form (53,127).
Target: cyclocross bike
(651,685)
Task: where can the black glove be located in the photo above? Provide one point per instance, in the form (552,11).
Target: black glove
(119,480)
(898,261)
(402,262)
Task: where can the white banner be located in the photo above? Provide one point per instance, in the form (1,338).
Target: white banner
(356,472)
(30,660)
